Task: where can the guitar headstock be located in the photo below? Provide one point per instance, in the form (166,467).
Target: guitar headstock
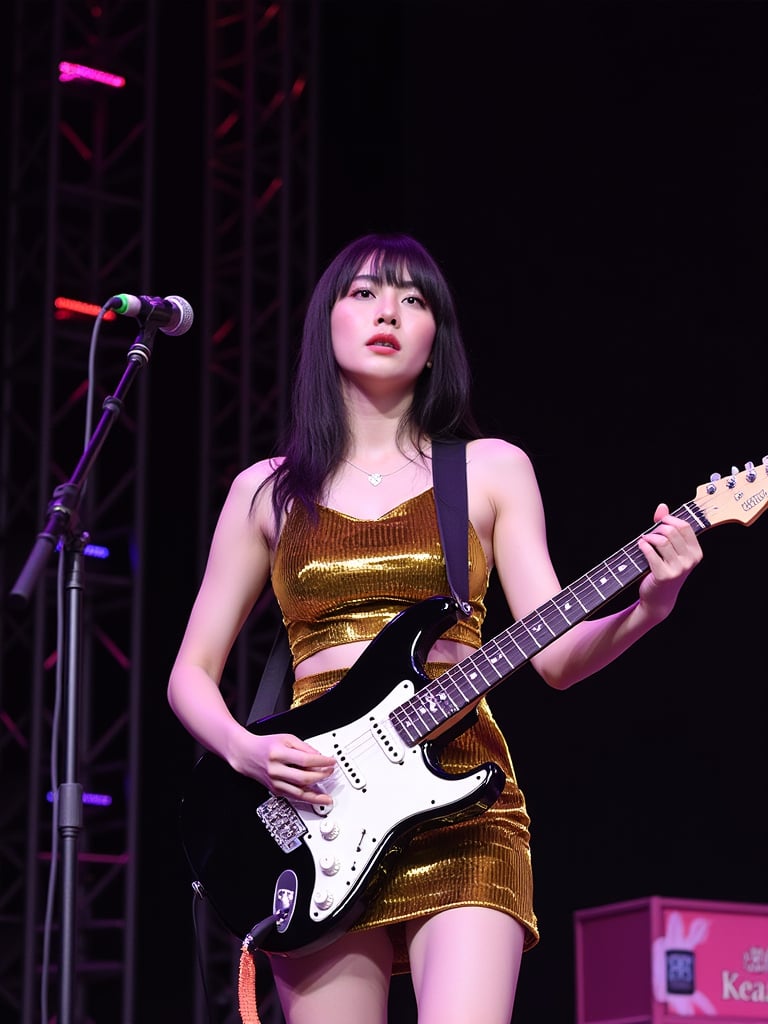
(740,497)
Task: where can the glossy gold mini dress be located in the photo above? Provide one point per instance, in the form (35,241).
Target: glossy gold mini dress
(343,579)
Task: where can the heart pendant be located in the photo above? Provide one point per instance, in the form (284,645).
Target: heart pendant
(374,479)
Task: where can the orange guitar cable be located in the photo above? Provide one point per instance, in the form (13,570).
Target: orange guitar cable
(246,986)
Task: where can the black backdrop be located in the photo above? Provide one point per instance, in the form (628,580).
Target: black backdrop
(592,178)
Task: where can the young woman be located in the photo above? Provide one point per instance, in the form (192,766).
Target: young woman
(344,525)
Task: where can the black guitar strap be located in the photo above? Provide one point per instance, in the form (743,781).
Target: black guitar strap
(449,472)
(275,687)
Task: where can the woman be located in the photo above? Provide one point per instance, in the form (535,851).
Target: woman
(344,525)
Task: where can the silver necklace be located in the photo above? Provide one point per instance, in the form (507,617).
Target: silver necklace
(374,479)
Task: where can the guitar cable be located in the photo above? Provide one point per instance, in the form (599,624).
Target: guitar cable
(247,969)
(246,979)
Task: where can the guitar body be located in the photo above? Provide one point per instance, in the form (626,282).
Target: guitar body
(256,856)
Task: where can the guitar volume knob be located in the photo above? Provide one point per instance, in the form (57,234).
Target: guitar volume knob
(329,864)
(322,898)
(329,828)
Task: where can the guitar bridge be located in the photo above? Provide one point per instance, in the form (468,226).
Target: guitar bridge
(282,822)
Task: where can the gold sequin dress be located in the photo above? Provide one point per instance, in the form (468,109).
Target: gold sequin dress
(343,580)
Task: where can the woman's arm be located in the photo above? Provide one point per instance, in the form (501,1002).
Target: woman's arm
(236,573)
(528,577)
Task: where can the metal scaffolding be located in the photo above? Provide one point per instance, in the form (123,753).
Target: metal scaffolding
(80,204)
(259,246)
(80,225)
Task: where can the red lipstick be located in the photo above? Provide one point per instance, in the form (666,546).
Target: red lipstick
(384,341)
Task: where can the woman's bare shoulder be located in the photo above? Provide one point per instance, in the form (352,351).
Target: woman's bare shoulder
(256,474)
(495,453)
(250,492)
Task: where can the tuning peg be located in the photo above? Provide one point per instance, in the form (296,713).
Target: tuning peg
(714,477)
(765,463)
(751,474)
(731,481)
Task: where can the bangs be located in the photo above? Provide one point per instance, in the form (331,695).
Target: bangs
(392,267)
(397,261)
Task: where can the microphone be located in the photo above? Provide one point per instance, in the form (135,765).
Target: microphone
(173,315)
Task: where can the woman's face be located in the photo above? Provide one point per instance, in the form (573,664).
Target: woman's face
(381,330)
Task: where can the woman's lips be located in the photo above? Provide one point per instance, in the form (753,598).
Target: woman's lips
(388,341)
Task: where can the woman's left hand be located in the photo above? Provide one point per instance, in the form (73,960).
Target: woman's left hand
(673,551)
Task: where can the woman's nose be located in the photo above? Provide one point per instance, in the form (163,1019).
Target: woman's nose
(387,317)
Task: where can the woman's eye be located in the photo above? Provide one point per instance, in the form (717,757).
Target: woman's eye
(364,293)
(415,300)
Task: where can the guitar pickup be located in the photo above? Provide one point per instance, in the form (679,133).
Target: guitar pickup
(351,769)
(388,741)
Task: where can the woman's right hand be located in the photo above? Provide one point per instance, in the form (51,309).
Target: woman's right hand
(286,765)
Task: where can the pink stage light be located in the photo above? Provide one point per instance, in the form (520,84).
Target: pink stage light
(69,72)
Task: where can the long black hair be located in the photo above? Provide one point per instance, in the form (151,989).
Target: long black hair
(318,432)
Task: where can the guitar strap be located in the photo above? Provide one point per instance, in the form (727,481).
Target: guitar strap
(449,472)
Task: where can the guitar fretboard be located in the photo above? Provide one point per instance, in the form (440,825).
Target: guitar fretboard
(461,685)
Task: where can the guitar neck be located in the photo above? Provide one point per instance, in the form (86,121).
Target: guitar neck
(451,693)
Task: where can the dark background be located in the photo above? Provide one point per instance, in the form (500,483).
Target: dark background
(591,176)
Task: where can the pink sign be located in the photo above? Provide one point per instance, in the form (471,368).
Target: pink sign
(712,964)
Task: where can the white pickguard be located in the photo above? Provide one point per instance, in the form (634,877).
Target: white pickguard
(379,785)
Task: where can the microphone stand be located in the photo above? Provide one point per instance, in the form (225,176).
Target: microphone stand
(61,526)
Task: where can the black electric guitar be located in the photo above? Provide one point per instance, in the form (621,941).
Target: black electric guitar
(289,879)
